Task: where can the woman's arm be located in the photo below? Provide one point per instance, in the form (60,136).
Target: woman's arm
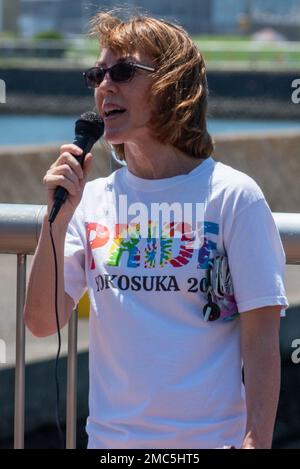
(39,311)
(261,358)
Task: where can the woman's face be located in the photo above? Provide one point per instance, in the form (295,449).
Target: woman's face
(132,98)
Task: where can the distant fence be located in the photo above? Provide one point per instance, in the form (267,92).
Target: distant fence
(228,54)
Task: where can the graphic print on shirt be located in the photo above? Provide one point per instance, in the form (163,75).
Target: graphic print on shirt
(155,252)
(173,249)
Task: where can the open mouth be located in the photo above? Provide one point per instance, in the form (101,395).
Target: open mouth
(114,112)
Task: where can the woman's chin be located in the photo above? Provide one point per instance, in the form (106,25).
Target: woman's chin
(113,137)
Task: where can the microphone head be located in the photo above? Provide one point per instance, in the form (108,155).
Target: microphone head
(89,123)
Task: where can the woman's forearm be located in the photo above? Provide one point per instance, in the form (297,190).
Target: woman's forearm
(261,357)
(262,389)
(39,311)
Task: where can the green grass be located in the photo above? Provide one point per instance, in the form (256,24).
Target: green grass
(271,53)
(222,39)
(268,56)
(253,57)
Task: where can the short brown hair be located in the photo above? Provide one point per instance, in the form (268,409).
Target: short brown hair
(179,89)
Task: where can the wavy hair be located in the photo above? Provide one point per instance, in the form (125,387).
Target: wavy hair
(179,89)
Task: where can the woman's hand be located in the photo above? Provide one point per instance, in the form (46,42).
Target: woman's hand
(66,172)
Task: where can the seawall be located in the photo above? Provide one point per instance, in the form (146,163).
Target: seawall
(272,159)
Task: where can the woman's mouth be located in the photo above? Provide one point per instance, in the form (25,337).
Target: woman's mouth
(113,113)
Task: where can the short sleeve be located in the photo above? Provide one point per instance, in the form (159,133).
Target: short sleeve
(256,258)
(74,258)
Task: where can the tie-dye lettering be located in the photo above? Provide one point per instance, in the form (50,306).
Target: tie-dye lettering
(122,245)
(158,248)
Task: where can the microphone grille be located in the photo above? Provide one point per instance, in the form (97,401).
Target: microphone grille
(90,116)
(90,123)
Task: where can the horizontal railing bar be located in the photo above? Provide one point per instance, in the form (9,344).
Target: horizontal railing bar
(288,225)
(20,226)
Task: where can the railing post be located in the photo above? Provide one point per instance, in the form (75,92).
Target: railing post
(20,355)
(72,382)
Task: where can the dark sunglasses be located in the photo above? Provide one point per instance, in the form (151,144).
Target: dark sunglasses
(120,73)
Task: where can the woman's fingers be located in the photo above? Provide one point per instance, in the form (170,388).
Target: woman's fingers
(63,176)
(70,148)
(52,181)
(67,172)
(67,159)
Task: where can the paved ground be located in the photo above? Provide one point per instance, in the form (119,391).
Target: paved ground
(37,348)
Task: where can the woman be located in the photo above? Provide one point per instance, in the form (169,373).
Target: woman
(165,362)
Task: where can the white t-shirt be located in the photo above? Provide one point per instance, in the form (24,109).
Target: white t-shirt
(160,375)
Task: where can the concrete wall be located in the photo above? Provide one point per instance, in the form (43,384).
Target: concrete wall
(272,160)
(232,93)
(23,169)
(64,80)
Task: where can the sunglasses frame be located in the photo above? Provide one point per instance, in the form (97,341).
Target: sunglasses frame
(134,66)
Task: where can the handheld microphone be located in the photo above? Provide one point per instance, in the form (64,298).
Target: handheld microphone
(88,129)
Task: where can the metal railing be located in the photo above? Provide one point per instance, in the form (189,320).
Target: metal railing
(20,226)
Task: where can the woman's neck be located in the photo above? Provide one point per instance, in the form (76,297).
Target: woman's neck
(156,161)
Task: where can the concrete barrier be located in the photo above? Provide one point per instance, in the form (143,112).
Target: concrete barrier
(273,160)
(23,169)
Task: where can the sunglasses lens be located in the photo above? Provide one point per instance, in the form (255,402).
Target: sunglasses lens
(94,76)
(122,72)
(119,72)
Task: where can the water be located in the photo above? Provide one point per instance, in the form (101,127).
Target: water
(41,129)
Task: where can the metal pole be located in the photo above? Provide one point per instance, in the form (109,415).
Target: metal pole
(20,355)
(72,382)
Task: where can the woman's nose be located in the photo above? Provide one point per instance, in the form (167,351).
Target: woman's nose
(107,83)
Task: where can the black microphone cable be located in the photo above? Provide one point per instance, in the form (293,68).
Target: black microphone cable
(58,425)
(88,129)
